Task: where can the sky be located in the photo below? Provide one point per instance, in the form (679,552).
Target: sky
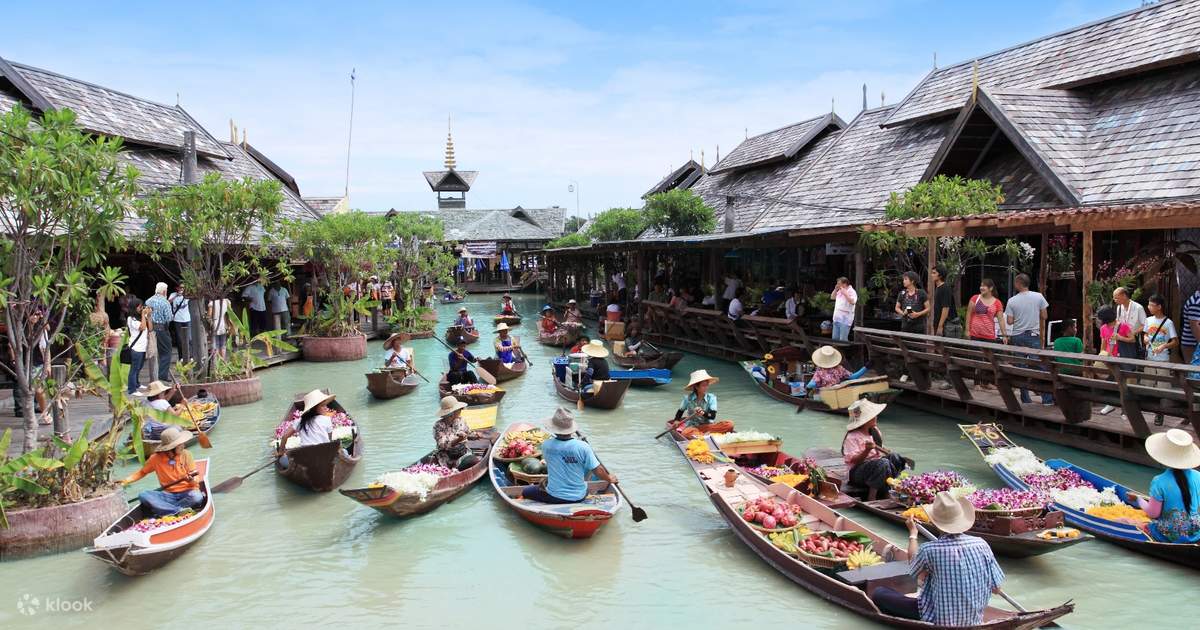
(543,96)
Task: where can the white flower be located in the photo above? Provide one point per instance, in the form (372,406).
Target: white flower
(743,436)
(1019,460)
(343,432)
(419,484)
(1027,251)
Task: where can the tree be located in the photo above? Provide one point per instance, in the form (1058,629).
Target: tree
(616,224)
(569,240)
(573,224)
(63,195)
(342,248)
(679,212)
(944,197)
(418,258)
(217,235)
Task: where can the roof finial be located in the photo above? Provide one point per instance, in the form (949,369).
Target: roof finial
(718,155)
(449,146)
(232,132)
(746,132)
(864,97)
(692,155)
(935,60)
(882,100)
(833,106)
(701,158)
(243,137)
(974,80)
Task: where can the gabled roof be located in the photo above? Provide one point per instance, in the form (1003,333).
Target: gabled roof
(450,181)
(496,225)
(1156,35)
(276,170)
(326,205)
(776,146)
(103,111)
(683,177)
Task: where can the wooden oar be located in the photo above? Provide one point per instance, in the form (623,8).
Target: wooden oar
(675,424)
(233,483)
(483,374)
(201,437)
(639,514)
(414,369)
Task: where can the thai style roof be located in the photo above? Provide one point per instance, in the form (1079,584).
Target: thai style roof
(776,146)
(682,178)
(509,224)
(1153,36)
(450,180)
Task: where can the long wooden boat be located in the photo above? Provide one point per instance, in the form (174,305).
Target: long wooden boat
(750,456)
(489,398)
(642,378)
(665,361)
(206,424)
(610,396)
(988,437)
(454,332)
(848,589)
(504,372)
(135,552)
(391,383)
(565,336)
(321,467)
(873,388)
(511,320)
(392,502)
(569,520)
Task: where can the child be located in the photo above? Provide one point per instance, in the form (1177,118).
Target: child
(1161,339)
(1067,341)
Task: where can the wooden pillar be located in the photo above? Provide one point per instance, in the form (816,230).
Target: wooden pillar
(1044,269)
(860,275)
(931,245)
(58,407)
(1086,269)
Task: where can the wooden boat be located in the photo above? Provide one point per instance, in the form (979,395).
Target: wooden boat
(609,397)
(389,501)
(665,361)
(454,332)
(988,437)
(137,553)
(569,520)
(471,399)
(642,378)
(874,388)
(848,589)
(391,382)
(206,423)
(504,372)
(321,467)
(511,320)
(565,336)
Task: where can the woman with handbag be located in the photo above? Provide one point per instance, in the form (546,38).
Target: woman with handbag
(137,323)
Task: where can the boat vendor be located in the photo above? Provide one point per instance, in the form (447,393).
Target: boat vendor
(634,343)
(956,574)
(506,305)
(157,394)
(870,464)
(176,472)
(580,343)
(460,363)
(829,370)
(548,323)
(573,315)
(1174,501)
(698,411)
(464,320)
(315,425)
(397,355)
(596,368)
(506,345)
(569,462)
(451,433)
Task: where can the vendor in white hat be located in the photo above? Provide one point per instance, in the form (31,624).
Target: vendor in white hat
(176,472)
(396,355)
(871,465)
(464,320)
(315,425)
(451,433)
(156,398)
(505,345)
(1174,501)
(569,463)
(597,365)
(506,305)
(573,315)
(957,573)
(698,411)
(829,370)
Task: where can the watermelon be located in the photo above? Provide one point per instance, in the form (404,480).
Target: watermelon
(533,466)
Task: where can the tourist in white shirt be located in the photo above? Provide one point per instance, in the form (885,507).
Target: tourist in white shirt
(732,284)
(844,298)
(218,315)
(794,306)
(1161,338)
(735,306)
(182,323)
(1129,312)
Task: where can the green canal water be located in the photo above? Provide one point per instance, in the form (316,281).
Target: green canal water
(279,555)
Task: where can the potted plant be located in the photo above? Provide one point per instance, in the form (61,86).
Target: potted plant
(412,322)
(231,378)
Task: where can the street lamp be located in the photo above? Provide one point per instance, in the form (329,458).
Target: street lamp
(574,187)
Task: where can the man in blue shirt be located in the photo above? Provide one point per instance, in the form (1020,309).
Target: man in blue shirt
(161,316)
(569,461)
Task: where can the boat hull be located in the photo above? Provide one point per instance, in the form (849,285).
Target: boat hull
(387,384)
(321,467)
(501,371)
(454,332)
(511,320)
(665,361)
(388,501)
(610,396)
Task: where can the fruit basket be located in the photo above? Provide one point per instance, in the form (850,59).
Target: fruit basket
(516,470)
(770,515)
(833,550)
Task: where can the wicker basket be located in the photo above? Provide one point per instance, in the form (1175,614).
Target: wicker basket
(820,561)
(764,530)
(518,474)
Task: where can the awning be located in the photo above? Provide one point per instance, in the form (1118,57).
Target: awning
(479,249)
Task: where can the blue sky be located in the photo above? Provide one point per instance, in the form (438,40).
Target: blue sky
(610,95)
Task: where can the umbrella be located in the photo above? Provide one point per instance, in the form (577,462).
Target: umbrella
(478,264)
(504,261)
(461,268)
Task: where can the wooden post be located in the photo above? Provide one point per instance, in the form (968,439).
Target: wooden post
(860,276)
(58,408)
(1044,269)
(1086,269)
(931,244)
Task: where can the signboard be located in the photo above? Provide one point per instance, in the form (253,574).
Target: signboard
(838,249)
(479,249)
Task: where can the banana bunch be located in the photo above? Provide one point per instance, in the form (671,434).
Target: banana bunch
(864,558)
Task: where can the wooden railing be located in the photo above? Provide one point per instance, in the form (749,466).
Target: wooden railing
(710,332)
(1133,386)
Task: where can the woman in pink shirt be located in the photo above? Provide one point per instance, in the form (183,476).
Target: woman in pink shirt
(985,315)
(870,464)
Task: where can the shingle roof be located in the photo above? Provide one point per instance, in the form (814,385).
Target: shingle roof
(683,177)
(109,112)
(324,205)
(775,146)
(437,179)
(1156,35)
(510,224)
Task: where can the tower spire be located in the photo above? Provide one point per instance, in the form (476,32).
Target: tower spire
(449,146)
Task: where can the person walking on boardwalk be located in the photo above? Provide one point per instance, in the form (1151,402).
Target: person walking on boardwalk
(161,317)
(956,573)
(844,300)
(698,411)
(871,465)
(569,462)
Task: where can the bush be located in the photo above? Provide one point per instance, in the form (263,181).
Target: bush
(617,224)
(570,240)
(679,213)
(945,197)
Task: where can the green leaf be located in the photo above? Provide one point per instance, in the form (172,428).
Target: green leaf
(78,447)
(5,440)
(28,486)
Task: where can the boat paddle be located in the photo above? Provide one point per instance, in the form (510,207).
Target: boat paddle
(675,424)
(483,374)
(201,436)
(233,483)
(414,369)
(639,514)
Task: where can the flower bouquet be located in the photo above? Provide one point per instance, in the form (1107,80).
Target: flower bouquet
(920,489)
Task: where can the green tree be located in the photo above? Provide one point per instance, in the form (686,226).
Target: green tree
(945,197)
(569,240)
(214,238)
(679,212)
(343,248)
(63,196)
(616,224)
(419,258)
(573,224)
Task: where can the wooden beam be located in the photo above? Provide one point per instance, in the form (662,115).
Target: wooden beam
(860,280)
(931,245)
(1086,269)
(983,153)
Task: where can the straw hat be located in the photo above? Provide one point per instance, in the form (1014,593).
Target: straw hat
(863,411)
(951,515)
(595,348)
(449,405)
(562,423)
(827,357)
(156,387)
(172,437)
(462,310)
(1174,449)
(572,301)
(700,376)
(501,326)
(397,337)
(314,399)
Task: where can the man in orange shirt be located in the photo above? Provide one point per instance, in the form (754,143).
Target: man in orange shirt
(176,471)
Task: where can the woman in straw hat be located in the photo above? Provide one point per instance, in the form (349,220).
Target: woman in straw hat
(698,411)
(1174,501)
(870,464)
(315,425)
(505,345)
(156,398)
(548,323)
(396,354)
(176,472)
(829,370)
(569,463)
(464,320)
(597,366)
(573,315)
(451,433)
(506,305)
(956,573)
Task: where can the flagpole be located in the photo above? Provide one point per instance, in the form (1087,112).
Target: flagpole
(349,136)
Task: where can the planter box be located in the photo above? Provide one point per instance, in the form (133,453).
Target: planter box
(334,348)
(1008,525)
(229,393)
(57,528)
(424,334)
(734,449)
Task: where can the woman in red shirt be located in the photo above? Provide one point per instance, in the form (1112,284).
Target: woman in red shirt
(985,312)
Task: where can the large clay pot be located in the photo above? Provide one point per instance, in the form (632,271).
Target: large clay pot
(57,528)
(350,348)
(229,393)
(424,334)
